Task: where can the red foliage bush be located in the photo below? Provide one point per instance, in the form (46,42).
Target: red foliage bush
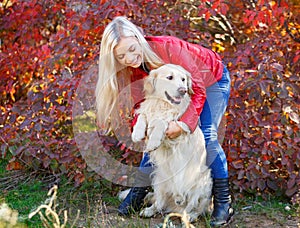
(48,46)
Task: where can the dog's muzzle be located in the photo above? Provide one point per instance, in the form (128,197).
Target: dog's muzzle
(182,91)
(177,99)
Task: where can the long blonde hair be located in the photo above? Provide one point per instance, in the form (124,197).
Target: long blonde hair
(107,87)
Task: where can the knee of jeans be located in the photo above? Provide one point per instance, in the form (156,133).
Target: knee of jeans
(210,134)
(146,169)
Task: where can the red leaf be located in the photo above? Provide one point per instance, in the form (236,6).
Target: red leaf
(282,19)
(254,173)
(12,118)
(294,117)
(277,135)
(296,58)
(25,123)
(261,184)
(272,184)
(291,191)
(215,5)
(277,66)
(241,174)
(265,171)
(238,164)
(284,160)
(37,106)
(252,15)
(46,162)
(14,165)
(245,20)
(46,50)
(19,150)
(224,8)
(261,16)
(79,178)
(259,140)
(284,4)
(123,146)
(207,15)
(246,17)
(291,183)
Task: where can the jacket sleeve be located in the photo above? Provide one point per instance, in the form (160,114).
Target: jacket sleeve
(191,115)
(178,52)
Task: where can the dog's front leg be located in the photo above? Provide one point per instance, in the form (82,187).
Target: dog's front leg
(156,133)
(195,211)
(149,211)
(139,129)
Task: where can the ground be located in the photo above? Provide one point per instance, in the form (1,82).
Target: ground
(242,219)
(98,204)
(245,217)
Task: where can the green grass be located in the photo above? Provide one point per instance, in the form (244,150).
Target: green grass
(27,195)
(272,207)
(95,196)
(270,204)
(23,197)
(85,122)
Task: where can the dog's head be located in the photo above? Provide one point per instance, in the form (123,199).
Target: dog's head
(169,82)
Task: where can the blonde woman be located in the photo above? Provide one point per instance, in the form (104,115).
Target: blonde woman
(127,56)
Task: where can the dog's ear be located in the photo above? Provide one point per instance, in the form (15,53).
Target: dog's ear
(189,78)
(189,83)
(149,84)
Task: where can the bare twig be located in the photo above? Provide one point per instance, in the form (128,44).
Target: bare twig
(76,218)
(51,216)
(44,220)
(184,218)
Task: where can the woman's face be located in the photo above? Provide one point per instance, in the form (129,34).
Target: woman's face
(128,52)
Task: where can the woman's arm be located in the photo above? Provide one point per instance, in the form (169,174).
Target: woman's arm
(175,51)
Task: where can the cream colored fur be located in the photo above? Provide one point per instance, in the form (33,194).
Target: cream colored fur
(181,180)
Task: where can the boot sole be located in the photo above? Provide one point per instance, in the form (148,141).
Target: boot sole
(227,223)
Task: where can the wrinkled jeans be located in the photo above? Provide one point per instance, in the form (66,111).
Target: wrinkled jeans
(217,96)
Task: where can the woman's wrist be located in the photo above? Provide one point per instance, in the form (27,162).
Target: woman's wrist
(183,126)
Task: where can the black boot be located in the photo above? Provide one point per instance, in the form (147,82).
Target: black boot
(134,201)
(223,212)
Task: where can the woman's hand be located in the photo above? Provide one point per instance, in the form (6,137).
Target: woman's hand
(173,130)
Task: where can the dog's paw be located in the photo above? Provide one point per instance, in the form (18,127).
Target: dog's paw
(153,145)
(137,135)
(148,212)
(149,198)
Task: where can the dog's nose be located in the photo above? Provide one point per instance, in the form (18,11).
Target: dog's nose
(182,91)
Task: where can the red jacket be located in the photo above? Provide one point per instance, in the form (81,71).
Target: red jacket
(204,65)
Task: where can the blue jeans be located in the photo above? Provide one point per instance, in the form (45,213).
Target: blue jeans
(217,96)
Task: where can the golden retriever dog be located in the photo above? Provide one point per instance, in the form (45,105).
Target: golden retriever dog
(181,180)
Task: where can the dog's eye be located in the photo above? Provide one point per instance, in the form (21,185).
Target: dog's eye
(170,77)
(183,79)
